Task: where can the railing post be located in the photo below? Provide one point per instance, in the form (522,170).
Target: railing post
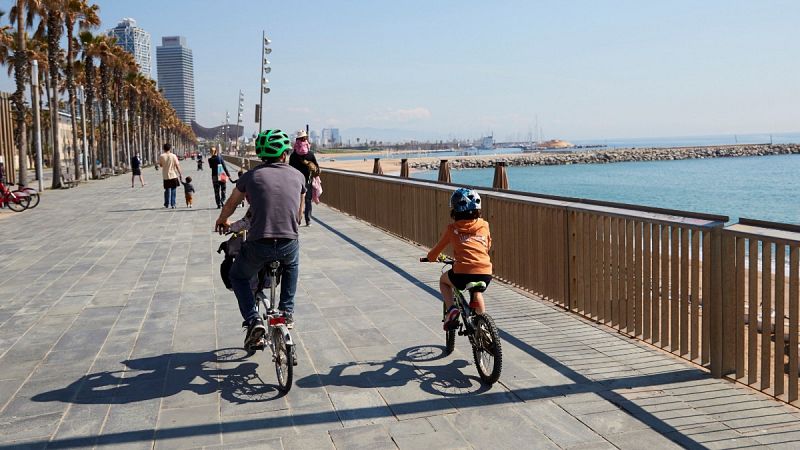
(404,171)
(729,306)
(500,176)
(444,171)
(377,169)
(722,321)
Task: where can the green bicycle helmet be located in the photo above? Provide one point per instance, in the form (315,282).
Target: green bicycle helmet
(272,144)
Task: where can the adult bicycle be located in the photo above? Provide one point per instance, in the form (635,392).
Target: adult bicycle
(16,201)
(277,338)
(479,328)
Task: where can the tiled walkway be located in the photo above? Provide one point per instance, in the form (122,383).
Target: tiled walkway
(115,330)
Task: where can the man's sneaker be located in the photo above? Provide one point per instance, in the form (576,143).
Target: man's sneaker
(255,333)
(289,320)
(451,319)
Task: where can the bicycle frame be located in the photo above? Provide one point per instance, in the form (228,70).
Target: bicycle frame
(272,318)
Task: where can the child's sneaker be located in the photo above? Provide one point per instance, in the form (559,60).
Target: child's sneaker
(451,319)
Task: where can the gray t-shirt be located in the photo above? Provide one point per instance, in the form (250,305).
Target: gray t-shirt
(274,191)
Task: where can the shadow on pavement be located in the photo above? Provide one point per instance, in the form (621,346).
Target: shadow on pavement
(226,371)
(419,364)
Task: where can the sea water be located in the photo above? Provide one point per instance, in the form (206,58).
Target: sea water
(761,187)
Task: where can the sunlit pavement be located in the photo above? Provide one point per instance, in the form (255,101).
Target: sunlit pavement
(116,330)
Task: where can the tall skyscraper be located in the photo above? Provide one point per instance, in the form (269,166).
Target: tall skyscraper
(176,75)
(135,41)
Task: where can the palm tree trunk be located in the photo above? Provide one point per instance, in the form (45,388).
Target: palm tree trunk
(72,99)
(20,70)
(53,48)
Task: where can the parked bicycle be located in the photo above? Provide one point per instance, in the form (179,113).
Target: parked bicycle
(31,192)
(16,201)
(478,328)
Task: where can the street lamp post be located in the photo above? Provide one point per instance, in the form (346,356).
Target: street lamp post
(265,69)
(239,122)
(37,124)
(82,103)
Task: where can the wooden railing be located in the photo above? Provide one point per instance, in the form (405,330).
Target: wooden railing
(761,291)
(678,280)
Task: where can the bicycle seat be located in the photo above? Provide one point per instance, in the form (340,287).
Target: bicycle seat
(475,286)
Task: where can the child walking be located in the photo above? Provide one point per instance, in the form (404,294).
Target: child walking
(188,191)
(470,239)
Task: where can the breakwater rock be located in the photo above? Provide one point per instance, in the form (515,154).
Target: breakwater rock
(611,156)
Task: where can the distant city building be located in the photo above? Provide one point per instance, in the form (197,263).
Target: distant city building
(330,137)
(314,138)
(135,41)
(175,67)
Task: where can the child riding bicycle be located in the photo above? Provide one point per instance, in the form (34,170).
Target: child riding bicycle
(470,239)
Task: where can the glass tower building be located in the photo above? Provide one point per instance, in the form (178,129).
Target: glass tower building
(135,41)
(175,68)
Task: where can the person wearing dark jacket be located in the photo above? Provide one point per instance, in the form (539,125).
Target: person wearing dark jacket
(303,159)
(217,165)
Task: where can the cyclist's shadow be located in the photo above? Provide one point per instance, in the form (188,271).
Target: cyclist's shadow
(226,371)
(420,364)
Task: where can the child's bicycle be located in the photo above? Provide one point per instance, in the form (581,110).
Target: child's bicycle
(478,328)
(277,338)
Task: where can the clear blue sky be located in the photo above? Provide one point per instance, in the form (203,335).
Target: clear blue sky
(433,69)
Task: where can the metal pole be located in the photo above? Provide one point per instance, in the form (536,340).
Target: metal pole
(83,128)
(36,121)
(261,82)
(111,137)
(127,139)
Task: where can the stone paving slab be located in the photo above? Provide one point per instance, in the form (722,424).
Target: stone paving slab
(116,331)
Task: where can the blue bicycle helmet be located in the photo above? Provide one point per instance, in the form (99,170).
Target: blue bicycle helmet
(464,199)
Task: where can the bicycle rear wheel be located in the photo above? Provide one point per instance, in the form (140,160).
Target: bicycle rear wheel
(284,366)
(486,349)
(19,204)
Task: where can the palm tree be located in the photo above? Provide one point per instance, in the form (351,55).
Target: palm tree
(89,50)
(21,14)
(51,27)
(81,13)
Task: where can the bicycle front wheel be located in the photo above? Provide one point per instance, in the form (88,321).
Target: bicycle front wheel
(284,366)
(33,196)
(18,204)
(486,349)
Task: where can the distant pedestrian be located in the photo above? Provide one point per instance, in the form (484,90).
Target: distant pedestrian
(219,176)
(199,161)
(136,168)
(188,191)
(303,159)
(171,173)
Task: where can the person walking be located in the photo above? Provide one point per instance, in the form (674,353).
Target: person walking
(199,162)
(275,192)
(136,169)
(219,176)
(303,159)
(171,173)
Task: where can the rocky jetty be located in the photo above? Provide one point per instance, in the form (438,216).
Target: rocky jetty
(611,156)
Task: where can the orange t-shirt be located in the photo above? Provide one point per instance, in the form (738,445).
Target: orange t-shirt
(471,241)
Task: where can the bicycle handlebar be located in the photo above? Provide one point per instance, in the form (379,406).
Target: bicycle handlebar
(444,260)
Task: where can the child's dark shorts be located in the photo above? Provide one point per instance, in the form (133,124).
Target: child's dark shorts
(460,280)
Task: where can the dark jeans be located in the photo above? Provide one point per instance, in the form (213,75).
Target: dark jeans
(219,191)
(309,196)
(253,256)
(169,197)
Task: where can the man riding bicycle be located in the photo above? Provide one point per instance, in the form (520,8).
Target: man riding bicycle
(275,191)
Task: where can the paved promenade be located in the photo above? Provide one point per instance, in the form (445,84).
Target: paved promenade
(116,331)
